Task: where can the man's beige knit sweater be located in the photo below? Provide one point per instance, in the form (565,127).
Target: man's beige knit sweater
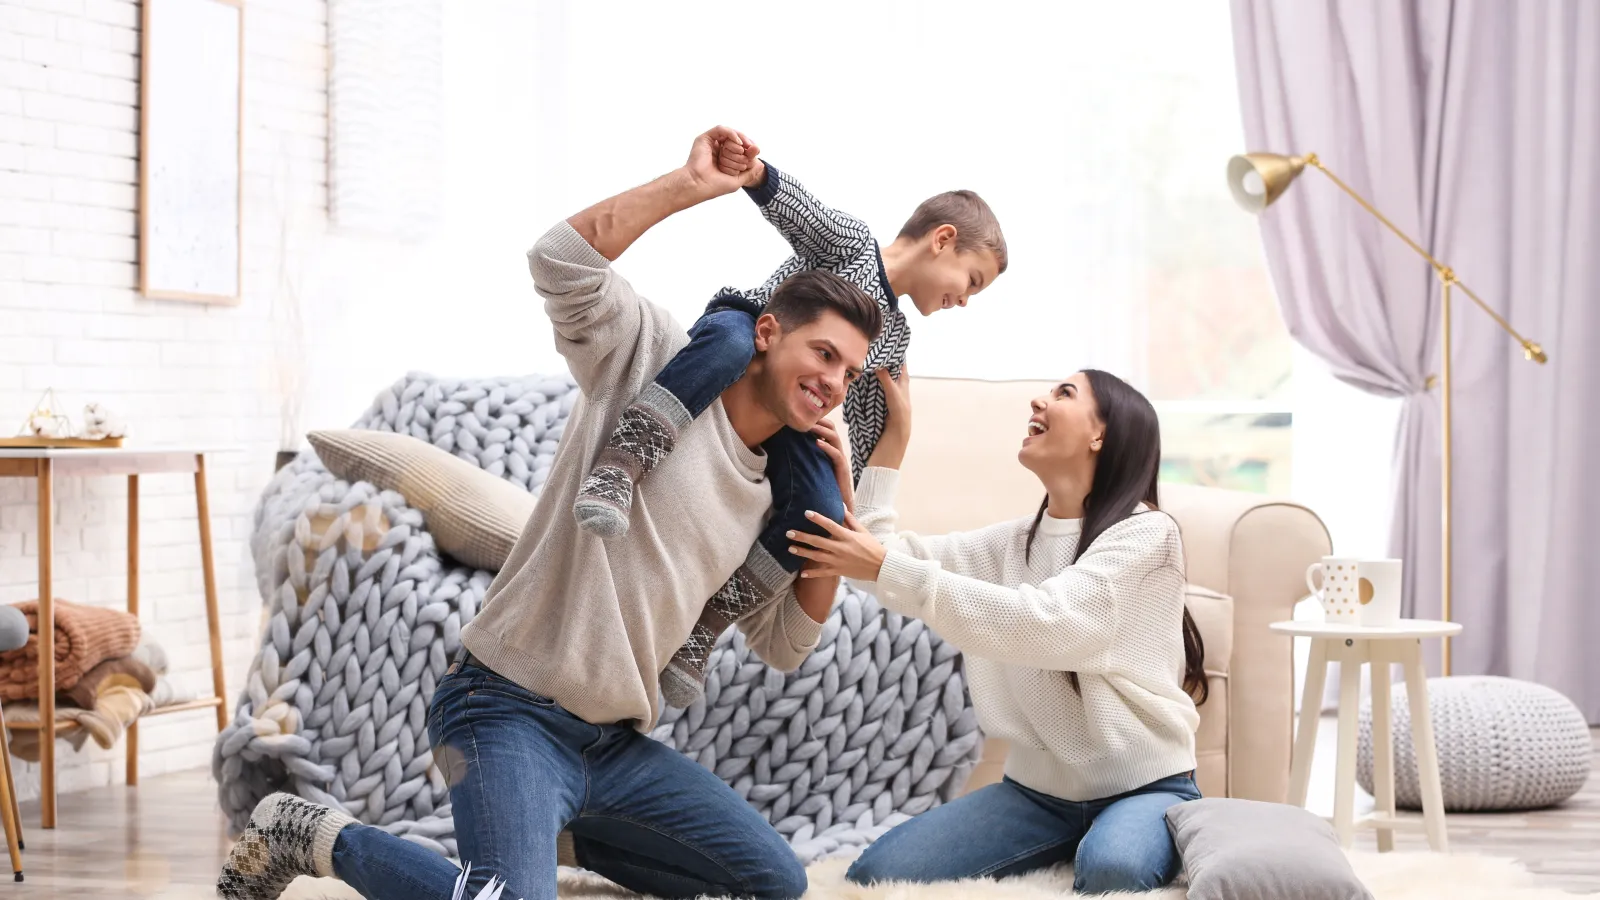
(591,623)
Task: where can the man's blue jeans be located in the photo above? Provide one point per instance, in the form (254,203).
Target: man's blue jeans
(1120,843)
(521,769)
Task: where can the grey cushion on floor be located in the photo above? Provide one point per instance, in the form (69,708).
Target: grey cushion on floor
(13,628)
(1252,850)
(1503,744)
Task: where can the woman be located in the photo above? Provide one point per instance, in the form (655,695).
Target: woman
(1079,651)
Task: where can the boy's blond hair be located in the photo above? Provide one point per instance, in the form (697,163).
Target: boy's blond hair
(975,223)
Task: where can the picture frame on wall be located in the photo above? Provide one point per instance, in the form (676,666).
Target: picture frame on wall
(191,150)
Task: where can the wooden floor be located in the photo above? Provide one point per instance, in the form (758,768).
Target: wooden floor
(166,839)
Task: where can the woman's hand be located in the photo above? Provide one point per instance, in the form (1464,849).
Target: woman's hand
(891,449)
(832,443)
(848,551)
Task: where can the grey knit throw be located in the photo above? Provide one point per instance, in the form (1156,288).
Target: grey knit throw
(363,614)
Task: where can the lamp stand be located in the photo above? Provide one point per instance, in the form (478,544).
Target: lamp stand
(1446,279)
(1447,282)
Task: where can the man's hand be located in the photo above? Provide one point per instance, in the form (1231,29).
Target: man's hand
(891,449)
(738,158)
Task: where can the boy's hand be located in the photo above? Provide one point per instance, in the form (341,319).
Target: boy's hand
(891,449)
(737,158)
(704,168)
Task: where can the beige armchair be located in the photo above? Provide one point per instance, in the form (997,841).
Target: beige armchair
(1246,553)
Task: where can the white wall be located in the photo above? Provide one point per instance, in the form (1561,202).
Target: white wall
(71,319)
(915,98)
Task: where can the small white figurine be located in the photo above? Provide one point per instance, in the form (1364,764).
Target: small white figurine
(100,423)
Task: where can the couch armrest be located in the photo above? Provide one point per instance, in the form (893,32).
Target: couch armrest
(1255,549)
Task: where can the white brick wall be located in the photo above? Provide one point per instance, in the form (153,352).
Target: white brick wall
(71,319)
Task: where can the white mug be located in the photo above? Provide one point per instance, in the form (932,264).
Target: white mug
(1378,592)
(1337,592)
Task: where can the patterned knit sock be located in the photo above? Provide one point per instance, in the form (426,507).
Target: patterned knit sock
(753,585)
(643,437)
(285,838)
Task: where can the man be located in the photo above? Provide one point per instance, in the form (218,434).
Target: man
(541,724)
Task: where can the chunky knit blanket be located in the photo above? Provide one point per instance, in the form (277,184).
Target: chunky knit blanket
(363,614)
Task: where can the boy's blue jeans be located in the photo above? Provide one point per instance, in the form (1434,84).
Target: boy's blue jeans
(521,769)
(721,344)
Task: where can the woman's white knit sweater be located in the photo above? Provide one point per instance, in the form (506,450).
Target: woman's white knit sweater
(1115,617)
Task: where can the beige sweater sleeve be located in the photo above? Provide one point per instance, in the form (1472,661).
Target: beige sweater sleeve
(782,634)
(1067,622)
(602,326)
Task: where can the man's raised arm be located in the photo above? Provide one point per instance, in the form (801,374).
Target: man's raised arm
(613,224)
(597,317)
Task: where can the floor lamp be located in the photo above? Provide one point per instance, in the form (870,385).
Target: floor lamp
(1257,179)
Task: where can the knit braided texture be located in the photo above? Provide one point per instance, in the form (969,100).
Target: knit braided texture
(362,615)
(1502,744)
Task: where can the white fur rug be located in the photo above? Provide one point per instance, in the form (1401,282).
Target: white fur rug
(1390,876)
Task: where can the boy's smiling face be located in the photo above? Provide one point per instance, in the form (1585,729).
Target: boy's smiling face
(946,278)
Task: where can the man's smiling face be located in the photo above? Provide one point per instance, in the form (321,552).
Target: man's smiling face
(808,369)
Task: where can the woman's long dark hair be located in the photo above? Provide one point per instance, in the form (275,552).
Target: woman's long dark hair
(1126,475)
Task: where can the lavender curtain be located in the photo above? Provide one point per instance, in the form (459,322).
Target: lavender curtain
(1474,125)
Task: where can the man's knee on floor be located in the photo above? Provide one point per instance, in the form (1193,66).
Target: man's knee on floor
(785,880)
(480,879)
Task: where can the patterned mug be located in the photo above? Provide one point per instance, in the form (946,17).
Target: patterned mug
(1339,592)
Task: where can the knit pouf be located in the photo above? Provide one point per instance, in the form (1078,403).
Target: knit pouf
(1503,744)
(362,614)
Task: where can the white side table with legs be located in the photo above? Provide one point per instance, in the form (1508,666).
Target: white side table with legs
(1353,645)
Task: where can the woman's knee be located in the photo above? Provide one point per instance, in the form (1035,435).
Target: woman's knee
(1122,869)
(862,871)
(879,863)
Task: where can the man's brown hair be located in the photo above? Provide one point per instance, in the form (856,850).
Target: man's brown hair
(802,298)
(975,223)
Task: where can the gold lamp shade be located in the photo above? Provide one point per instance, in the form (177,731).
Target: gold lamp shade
(1257,179)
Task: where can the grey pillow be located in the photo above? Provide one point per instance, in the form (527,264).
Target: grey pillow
(1253,850)
(13,628)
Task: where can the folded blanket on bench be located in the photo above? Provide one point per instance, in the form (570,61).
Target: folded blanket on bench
(85,636)
(127,671)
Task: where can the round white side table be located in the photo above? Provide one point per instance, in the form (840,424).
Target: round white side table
(1352,646)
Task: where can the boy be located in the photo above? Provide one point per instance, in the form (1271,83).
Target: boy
(949,249)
